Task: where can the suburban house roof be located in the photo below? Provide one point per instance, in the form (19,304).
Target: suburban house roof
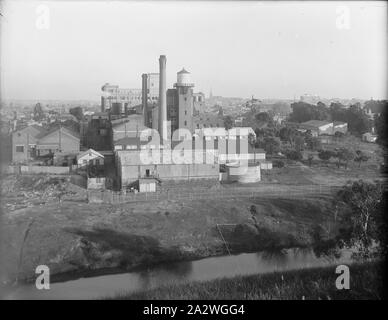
(33,130)
(84,153)
(65,130)
(339,123)
(67,116)
(315,123)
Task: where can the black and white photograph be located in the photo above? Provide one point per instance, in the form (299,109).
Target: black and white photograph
(193,150)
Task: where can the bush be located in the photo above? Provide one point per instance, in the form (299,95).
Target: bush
(294,155)
(277,163)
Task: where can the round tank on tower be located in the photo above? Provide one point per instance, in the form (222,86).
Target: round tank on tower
(184,79)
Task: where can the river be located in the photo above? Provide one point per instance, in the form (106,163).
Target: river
(179,272)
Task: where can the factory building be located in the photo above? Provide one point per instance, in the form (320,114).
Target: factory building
(199,103)
(119,100)
(167,110)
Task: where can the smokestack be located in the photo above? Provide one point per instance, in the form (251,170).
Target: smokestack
(144,98)
(162,125)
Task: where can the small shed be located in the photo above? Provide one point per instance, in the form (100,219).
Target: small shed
(369,137)
(265,165)
(90,157)
(147,185)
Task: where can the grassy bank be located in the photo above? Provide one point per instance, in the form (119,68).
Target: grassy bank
(366,282)
(74,237)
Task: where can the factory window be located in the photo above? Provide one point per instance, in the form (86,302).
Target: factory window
(19,148)
(185,99)
(185,123)
(185,112)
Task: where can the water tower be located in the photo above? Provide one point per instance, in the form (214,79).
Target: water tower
(184,87)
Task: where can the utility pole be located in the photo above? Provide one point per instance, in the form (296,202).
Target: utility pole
(28,146)
(60,137)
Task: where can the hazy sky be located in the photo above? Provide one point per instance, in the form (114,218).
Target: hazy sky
(268,49)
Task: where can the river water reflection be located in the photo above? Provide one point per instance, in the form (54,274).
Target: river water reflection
(180,272)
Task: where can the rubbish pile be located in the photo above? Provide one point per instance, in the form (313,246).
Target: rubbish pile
(24,191)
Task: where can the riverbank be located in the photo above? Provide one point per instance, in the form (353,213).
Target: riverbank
(366,283)
(76,239)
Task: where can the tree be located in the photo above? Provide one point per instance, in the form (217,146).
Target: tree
(358,121)
(381,126)
(310,159)
(251,139)
(325,155)
(38,112)
(287,134)
(302,111)
(313,143)
(364,223)
(228,122)
(299,143)
(262,116)
(271,145)
(278,163)
(360,157)
(344,155)
(294,155)
(77,112)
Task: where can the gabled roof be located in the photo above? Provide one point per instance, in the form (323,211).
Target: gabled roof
(84,153)
(45,133)
(316,123)
(338,123)
(33,130)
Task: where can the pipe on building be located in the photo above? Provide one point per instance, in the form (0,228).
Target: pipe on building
(144,98)
(162,124)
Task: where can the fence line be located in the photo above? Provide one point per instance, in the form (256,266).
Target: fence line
(113,197)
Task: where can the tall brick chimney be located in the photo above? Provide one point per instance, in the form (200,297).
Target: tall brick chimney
(162,125)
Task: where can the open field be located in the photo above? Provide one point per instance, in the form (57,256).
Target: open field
(366,283)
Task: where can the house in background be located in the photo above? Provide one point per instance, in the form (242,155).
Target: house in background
(369,137)
(320,127)
(339,126)
(24,143)
(60,139)
(317,127)
(90,157)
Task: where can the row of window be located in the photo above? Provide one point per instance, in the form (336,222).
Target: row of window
(208,126)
